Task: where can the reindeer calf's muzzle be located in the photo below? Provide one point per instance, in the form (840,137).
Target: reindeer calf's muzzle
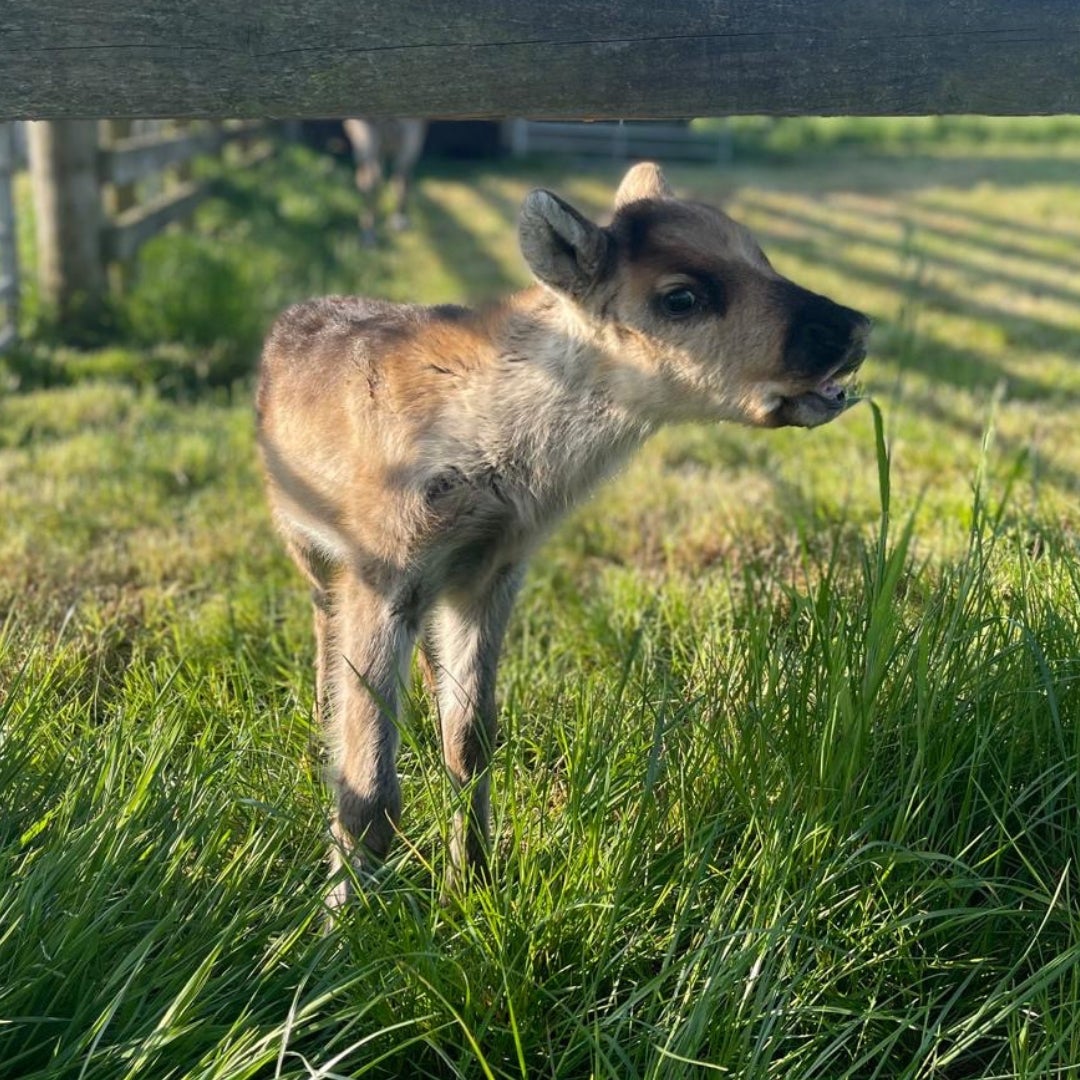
(826,343)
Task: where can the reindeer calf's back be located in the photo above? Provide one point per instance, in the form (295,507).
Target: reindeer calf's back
(352,399)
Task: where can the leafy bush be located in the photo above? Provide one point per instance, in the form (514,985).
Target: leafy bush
(191,290)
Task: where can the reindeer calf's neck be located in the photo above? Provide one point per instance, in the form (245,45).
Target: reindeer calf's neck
(553,411)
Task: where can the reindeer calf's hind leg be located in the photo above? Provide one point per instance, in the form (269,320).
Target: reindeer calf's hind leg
(463,640)
(320,573)
(372,642)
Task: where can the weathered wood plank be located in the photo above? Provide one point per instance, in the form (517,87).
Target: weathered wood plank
(562,58)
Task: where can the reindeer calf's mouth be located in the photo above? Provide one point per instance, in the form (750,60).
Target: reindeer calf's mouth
(825,400)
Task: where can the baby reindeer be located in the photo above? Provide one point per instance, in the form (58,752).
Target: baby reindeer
(415,457)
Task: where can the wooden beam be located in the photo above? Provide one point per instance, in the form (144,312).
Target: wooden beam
(558,59)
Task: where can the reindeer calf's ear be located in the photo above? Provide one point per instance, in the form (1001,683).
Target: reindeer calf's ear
(643,181)
(563,249)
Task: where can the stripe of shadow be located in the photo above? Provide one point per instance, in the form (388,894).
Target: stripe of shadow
(1031,285)
(461,252)
(993,247)
(980,369)
(381,573)
(914,172)
(881,174)
(1001,224)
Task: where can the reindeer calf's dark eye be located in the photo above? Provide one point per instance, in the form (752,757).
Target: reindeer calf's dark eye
(678,302)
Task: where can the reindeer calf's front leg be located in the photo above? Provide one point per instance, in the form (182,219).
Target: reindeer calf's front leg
(463,640)
(371,645)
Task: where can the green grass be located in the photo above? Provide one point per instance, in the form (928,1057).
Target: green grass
(789,776)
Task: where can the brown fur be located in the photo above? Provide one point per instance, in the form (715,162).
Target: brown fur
(415,457)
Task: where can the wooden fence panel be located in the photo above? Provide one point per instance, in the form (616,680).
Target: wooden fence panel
(100,195)
(148,155)
(559,59)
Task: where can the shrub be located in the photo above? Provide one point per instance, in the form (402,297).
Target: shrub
(191,290)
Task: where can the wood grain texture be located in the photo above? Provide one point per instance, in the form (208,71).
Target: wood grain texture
(557,59)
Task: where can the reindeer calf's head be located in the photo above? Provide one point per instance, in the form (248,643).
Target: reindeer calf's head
(703,326)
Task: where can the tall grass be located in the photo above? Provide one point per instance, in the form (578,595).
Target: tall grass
(819,828)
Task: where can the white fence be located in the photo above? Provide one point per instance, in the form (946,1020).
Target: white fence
(621,141)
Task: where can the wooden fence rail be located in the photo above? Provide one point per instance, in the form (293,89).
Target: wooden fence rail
(561,59)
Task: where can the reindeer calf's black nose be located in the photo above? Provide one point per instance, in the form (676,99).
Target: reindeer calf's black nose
(821,333)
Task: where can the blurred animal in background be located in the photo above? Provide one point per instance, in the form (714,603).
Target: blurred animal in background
(385,153)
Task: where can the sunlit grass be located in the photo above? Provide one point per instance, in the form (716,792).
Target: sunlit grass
(789,779)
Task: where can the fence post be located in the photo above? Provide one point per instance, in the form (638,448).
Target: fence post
(67,204)
(9,273)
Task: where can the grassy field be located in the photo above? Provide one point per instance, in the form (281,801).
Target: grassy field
(789,777)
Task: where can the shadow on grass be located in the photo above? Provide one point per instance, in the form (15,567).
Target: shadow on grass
(881,174)
(460,251)
(952,223)
(830,231)
(1021,229)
